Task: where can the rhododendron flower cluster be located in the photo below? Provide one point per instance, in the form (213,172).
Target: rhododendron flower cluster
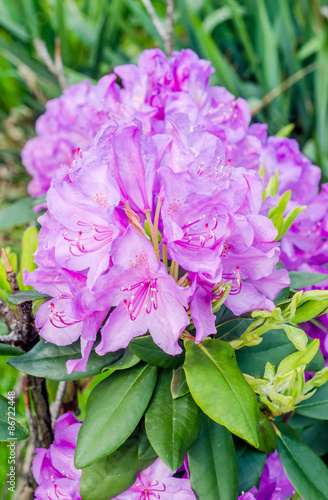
(157,215)
(95,254)
(53,468)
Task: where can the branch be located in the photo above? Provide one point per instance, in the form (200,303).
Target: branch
(22,331)
(284,86)
(169,40)
(23,334)
(57,404)
(55,67)
(154,17)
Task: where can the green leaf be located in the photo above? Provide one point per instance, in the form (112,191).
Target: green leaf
(29,246)
(289,220)
(115,413)
(316,406)
(128,360)
(250,465)
(8,350)
(27,295)
(13,425)
(233,329)
(306,471)
(213,464)
(50,359)
(274,347)
(219,388)
(17,214)
(145,449)
(297,336)
(114,474)
(316,437)
(267,434)
(172,425)
(148,351)
(299,279)
(179,386)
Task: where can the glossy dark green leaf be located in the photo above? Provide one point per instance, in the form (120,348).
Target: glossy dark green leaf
(179,386)
(50,359)
(306,471)
(13,426)
(115,413)
(148,351)
(219,388)
(128,360)
(283,295)
(172,425)
(233,329)
(267,434)
(25,296)
(316,437)
(316,406)
(213,464)
(145,449)
(299,279)
(250,465)
(114,474)
(274,347)
(8,350)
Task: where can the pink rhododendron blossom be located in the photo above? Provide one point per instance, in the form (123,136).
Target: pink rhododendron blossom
(69,123)
(153,91)
(208,214)
(157,482)
(146,296)
(53,468)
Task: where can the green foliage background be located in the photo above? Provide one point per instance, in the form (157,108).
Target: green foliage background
(256,47)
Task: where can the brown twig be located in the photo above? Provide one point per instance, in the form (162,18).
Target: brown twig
(169,40)
(22,331)
(23,334)
(154,17)
(55,67)
(284,86)
(57,404)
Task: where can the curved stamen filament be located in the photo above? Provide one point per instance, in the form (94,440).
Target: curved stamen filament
(58,319)
(216,173)
(88,243)
(153,490)
(145,298)
(198,239)
(234,276)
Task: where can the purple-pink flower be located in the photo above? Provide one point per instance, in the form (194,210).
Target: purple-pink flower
(158,482)
(180,189)
(274,483)
(53,468)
